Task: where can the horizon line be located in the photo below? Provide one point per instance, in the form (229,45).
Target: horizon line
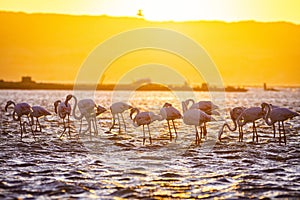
(149,20)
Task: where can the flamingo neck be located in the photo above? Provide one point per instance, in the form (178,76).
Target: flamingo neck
(267,118)
(137,111)
(14,116)
(74,108)
(184,107)
(188,102)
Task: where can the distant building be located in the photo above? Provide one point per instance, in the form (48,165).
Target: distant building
(27,79)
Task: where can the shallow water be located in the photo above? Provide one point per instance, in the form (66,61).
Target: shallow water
(114,165)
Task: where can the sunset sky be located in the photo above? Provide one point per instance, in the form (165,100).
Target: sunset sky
(40,46)
(177,10)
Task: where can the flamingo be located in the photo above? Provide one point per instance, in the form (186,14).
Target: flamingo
(117,109)
(206,106)
(249,115)
(20,109)
(63,109)
(37,112)
(278,115)
(195,117)
(168,112)
(88,109)
(144,118)
(234,114)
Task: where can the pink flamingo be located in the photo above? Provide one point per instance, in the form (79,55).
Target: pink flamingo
(20,109)
(168,112)
(88,110)
(195,117)
(143,118)
(37,112)
(234,114)
(249,115)
(117,109)
(278,115)
(63,109)
(206,106)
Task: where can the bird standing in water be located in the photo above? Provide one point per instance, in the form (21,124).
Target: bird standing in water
(143,118)
(197,118)
(169,113)
(20,109)
(249,115)
(63,109)
(117,109)
(234,114)
(278,115)
(37,112)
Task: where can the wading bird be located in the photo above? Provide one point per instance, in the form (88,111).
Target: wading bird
(195,117)
(143,118)
(168,112)
(117,109)
(20,109)
(63,109)
(278,115)
(88,109)
(37,112)
(234,114)
(206,106)
(249,115)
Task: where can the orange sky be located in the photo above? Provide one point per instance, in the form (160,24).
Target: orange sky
(178,10)
(53,48)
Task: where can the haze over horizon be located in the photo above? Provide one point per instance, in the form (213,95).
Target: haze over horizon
(52,47)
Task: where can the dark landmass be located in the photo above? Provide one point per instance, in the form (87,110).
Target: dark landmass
(269,89)
(28,84)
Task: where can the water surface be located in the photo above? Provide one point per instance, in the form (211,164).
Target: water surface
(116,165)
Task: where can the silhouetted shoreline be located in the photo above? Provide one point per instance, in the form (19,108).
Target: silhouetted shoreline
(27,84)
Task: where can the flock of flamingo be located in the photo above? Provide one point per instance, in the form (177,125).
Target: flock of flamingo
(197,115)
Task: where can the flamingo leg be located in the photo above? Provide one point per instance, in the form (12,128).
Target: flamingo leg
(119,123)
(256,134)
(204,130)
(279,130)
(174,129)
(64,128)
(38,123)
(95,125)
(284,136)
(239,133)
(113,122)
(21,128)
(123,121)
(274,129)
(200,136)
(197,136)
(149,134)
(69,126)
(80,127)
(169,130)
(89,127)
(144,138)
(242,134)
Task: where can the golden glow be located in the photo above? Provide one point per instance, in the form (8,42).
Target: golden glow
(52,48)
(161,10)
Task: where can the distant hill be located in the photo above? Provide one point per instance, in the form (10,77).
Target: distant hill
(52,47)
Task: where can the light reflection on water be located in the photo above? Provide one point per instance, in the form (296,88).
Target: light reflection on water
(118,165)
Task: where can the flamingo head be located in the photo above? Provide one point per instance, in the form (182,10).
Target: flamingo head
(167,105)
(132,111)
(69,97)
(8,104)
(265,106)
(100,110)
(56,104)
